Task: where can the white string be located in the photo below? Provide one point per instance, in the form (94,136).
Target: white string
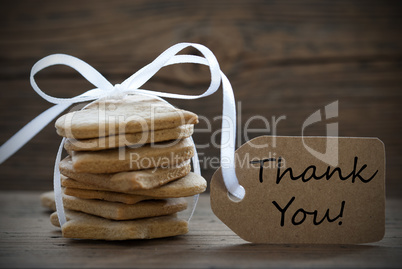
(131,85)
(197,170)
(58,195)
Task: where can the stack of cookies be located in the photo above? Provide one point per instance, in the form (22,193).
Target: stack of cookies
(128,169)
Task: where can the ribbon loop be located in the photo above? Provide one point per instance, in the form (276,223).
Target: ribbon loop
(104,89)
(87,71)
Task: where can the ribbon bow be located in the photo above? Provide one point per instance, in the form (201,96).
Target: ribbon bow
(131,85)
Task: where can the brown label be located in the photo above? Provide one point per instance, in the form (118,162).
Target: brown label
(295,194)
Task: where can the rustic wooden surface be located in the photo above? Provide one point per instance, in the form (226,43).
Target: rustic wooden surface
(28,240)
(283,58)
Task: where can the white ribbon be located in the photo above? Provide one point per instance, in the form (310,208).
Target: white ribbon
(131,85)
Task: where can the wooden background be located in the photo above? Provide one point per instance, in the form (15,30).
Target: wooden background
(282,57)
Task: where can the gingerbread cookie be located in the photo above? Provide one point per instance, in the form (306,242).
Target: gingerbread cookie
(84,226)
(131,114)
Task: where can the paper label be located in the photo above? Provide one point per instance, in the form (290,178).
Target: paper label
(296,195)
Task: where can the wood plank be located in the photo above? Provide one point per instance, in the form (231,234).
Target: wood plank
(27,239)
(122,36)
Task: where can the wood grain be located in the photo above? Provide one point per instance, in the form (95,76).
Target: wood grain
(28,240)
(283,58)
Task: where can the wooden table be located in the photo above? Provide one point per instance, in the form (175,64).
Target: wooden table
(28,240)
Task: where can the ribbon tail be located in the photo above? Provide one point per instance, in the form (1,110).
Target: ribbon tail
(58,193)
(197,170)
(29,131)
(228,140)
